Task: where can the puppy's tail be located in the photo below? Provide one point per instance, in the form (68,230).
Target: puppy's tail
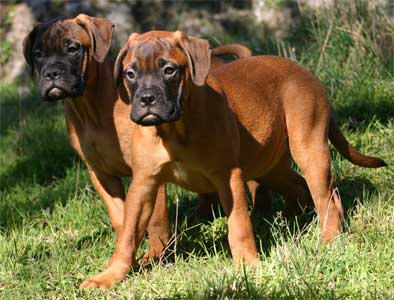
(232,49)
(342,145)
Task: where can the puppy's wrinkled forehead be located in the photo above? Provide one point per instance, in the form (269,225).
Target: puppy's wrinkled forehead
(52,35)
(149,54)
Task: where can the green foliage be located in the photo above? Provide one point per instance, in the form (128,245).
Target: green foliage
(6,47)
(348,45)
(277,3)
(54,230)
(6,50)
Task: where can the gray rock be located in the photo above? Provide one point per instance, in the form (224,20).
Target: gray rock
(275,21)
(23,22)
(120,15)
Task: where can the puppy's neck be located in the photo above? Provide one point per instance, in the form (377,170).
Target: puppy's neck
(195,106)
(96,103)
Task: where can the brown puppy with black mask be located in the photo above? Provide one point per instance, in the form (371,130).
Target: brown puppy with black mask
(68,56)
(211,131)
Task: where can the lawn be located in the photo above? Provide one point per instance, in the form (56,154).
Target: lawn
(54,230)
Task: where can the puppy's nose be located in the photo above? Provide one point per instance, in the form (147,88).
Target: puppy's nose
(148,99)
(52,73)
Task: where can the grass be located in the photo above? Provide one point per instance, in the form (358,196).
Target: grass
(54,230)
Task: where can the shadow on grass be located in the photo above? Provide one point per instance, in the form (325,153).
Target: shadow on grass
(355,190)
(358,114)
(24,202)
(36,157)
(17,102)
(44,155)
(242,287)
(209,236)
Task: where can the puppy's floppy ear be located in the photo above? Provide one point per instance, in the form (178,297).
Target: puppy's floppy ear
(118,67)
(27,44)
(100,32)
(198,55)
(119,63)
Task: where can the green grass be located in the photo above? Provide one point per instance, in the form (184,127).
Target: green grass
(55,232)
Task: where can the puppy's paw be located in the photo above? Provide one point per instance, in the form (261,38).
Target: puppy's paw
(103,281)
(157,247)
(147,259)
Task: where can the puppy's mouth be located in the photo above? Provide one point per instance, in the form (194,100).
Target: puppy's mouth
(150,119)
(55,93)
(152,116)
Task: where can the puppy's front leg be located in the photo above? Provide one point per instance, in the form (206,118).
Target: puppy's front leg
(139,206)
(232,196)
(111,190)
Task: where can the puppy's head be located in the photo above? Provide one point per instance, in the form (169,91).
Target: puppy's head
(156,67)
(62,52)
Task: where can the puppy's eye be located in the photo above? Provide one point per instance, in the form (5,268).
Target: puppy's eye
(38,54)
(73,48)
(130,74)
(169,70)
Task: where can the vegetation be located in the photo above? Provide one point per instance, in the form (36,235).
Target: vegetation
(54,230)
(6,47)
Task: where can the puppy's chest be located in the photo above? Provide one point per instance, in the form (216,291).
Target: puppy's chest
(187,169)
(189,177)
(102,150)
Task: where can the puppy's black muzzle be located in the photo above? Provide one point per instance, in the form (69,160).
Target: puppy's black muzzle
(53,72)
(57,82)
(153,106)
(148,97)
(147,107)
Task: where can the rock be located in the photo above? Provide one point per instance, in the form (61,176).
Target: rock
(275,21)
(120,15)
(200,24)
(23,21)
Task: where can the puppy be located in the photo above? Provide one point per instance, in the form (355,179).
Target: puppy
(212,130)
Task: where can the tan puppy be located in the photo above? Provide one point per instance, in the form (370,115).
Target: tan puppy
(68,56)
(210,132)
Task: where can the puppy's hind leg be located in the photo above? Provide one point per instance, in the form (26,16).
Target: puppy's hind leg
(261,201)
(309,148)
(261,198)
(232,196)
(287,182)
(158,228)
